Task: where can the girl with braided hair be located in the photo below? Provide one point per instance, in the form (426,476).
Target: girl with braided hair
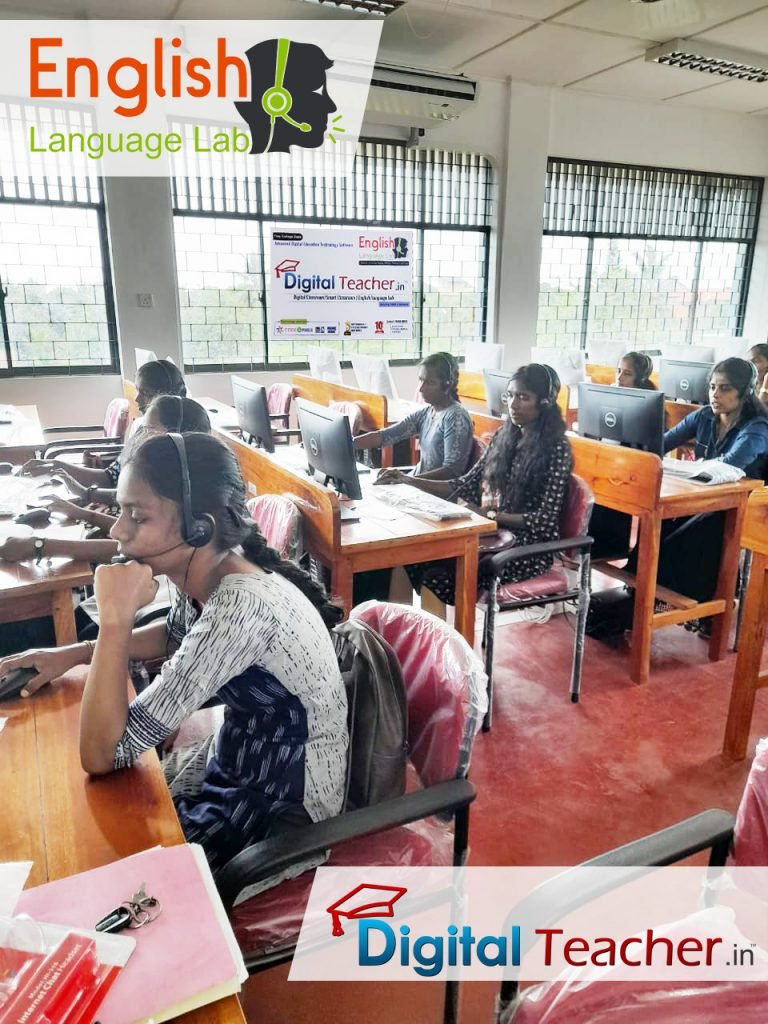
(442,425)
(247,629)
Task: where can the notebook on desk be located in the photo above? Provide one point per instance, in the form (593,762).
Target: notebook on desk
(187,957)
(418,503)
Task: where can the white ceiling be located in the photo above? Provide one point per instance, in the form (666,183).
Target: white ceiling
(586,45)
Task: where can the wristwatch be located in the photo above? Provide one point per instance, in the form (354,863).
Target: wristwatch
(491,513)
(38,543)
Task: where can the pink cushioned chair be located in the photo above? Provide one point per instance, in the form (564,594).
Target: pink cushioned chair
(279,519)
(445,701)
(279,398)
(547,588)
(577,1000)
(117,419)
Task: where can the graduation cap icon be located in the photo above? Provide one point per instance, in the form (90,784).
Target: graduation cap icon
(286,265)
(365,901)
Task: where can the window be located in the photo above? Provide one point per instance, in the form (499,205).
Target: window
(56,305)
(222,230)
(644,255)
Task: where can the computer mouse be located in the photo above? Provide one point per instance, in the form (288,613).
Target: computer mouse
(6,468)
(212,408)
(34,517)
(12,684)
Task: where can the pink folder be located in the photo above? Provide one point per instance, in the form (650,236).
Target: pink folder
(187,957)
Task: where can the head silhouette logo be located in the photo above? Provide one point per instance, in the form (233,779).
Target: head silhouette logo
(400,248)
(365,901)
(289,104)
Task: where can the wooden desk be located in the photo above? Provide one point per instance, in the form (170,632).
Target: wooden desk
(28,590)
(747,677)
(323,393)
(66,822)
(130,392)
(598,373)
(632,481)
(382,539)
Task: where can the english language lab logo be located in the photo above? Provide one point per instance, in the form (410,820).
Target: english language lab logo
(289,104)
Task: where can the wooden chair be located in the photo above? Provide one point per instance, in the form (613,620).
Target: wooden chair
(747,677)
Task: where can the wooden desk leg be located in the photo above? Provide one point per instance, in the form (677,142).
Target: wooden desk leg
(63,613)
(645,591)
(341,584)
(466,590)
(726,580)
(747,670)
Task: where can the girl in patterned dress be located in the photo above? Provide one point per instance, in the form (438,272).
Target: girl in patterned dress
(520,481)
(247,628)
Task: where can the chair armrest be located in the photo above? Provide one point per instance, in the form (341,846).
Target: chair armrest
(271,856)
(701,832)
(69,430)
(497,560)
(82,444)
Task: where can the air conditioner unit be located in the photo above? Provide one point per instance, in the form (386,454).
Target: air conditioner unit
(414,98)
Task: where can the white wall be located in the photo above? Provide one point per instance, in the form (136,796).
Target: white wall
(517,127)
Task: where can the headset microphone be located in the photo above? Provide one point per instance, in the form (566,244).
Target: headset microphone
(277,101)
(125,559)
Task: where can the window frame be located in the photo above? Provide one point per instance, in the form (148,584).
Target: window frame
(700,239)
(418,226)
(99,207)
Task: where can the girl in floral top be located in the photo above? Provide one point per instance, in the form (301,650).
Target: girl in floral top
(520,482)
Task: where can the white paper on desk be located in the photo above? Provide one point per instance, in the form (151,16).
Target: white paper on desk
(13,875)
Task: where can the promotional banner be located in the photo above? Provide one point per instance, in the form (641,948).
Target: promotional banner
(592,924)
(148,98)
(341,283)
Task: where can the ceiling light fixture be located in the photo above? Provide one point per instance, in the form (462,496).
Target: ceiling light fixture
(693,55)
(381,8)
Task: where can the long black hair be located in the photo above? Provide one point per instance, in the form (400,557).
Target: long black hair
(217,490)
(161,377)
(642,368)
(446,368)
(180,415)
(530,450)
(742,375)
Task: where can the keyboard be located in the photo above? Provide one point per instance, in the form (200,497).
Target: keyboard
(418,503)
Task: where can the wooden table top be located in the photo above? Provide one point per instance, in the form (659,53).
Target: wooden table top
(65,821)
(755,532)
(22,579)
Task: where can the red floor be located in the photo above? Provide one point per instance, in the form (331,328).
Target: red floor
(558,783)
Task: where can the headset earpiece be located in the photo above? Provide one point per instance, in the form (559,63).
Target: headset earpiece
(752,386)
(277,100)
(553,386)
(196,531)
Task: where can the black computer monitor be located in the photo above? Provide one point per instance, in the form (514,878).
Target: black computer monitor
(496,382)
(679,378)
(630,416)
(250,401)
(327,440)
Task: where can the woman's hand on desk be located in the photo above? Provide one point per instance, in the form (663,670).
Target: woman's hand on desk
(63,507)
(49,663)
(121,590)
(36,467)
(17,549)
(392,476)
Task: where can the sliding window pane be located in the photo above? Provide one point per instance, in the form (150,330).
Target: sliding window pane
(561,290)
(454,290)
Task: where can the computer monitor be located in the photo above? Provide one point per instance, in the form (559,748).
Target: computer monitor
(679,378)
(324,364)
(482,355)
(568,363)
(496,382)
(250,402)
(327,443)
(373,374)
(629,416)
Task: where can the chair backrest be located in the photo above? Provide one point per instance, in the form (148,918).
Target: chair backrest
(279,399)
(279,520)
(116,418)
(577,508)
(353,412)
(750,841)
(445,687)
(478,447)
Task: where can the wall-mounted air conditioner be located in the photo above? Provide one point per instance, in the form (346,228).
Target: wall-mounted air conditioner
(414,98)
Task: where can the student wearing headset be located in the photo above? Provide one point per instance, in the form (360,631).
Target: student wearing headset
(158,377)
(520,482)
(164,415)
(634,371)
(247,628)
(758,356)
(443,426)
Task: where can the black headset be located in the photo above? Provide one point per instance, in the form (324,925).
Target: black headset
(553,381)
(643,368)
(752,386)
(197,531)
(451,366)
(180,418)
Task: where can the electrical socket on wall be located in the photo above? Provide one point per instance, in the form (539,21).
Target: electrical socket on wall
(145,299)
